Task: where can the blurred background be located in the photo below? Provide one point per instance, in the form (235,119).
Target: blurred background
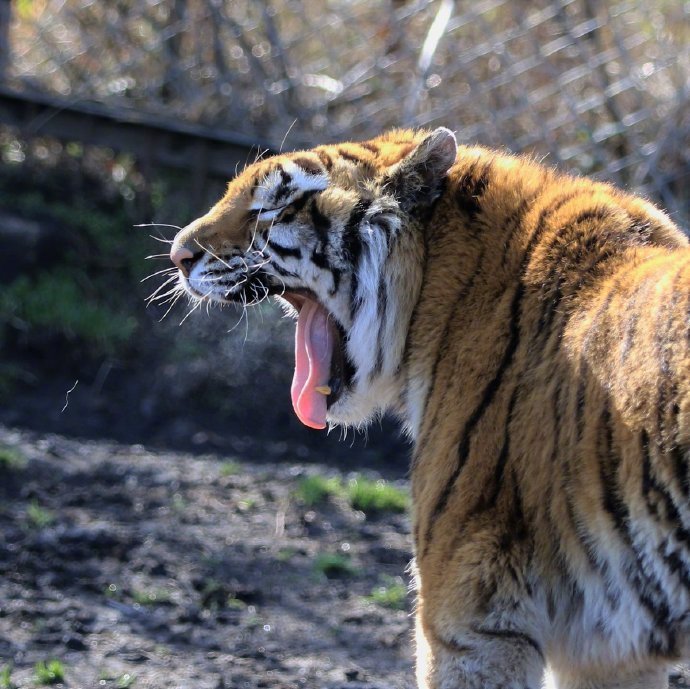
(115,114)
(165,521)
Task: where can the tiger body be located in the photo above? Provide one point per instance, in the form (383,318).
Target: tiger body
(530,329)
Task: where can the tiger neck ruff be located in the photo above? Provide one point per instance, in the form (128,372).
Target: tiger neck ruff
(530,329)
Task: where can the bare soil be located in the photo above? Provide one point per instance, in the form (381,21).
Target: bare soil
(166,569)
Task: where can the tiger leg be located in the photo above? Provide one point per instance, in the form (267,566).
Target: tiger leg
(476,658)
(622,678)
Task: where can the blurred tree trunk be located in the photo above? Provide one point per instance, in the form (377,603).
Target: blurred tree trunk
(5,16)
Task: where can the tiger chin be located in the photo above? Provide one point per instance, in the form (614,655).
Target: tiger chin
(531,331)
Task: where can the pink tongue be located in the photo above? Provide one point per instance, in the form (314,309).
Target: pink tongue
(313,351)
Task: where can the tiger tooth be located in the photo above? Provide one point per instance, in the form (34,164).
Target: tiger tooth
(323,389)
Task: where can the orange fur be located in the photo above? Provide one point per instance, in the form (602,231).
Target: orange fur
(545,380)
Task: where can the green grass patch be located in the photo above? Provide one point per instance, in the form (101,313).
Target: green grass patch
(38,517)
(391,593)
(125,681)
(6,677)
(155,596)
(49,672)
(334,565)
(233,603)
(286,554)
(316,489)
(376,496)
(11,459)
(230,468)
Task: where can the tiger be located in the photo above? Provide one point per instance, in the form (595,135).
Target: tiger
(529,328)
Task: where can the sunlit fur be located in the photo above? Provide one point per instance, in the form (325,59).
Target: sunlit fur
(531,331)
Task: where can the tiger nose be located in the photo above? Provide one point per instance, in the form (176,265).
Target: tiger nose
(183,258)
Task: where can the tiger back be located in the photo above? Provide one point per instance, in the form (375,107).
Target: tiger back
(530,330)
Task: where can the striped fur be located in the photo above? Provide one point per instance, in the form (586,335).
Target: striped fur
(531,330)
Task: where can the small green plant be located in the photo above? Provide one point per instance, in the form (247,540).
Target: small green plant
(151,596)
(314,490)
(230,468)
(246,504)
(334,565)
(375,496)
(125,681)
(233,603)
(286,554)
(6,677)
(390,594)
(50,672)
(214,595)
(11,459)
(38,517)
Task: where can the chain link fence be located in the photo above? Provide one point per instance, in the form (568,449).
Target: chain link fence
(596,86)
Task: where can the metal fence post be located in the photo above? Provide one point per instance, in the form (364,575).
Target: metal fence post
(5,16)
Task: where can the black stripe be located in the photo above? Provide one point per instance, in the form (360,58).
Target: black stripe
(470,189)
(666,405)
(609,462)
(349,156)
(515,529)
(522,209)
(321,222)
(486,400)
(325,159)
(489,500)
(680,533)
(585,540)
(336,274)
(509,634)
(319,259)
(370,147)
(352,249)
(381,307)
(647,588)
(284,251)
(441,353)
(512,224)
(282,271)
(594,213)
(295,206)
(308,166)
(285,189)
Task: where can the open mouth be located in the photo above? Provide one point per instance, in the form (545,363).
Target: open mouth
(322,368)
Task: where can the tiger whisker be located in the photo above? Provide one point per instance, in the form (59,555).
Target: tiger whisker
(218,258)
(161,286)
(170,308)
(158,272)
(162,302)
(161,239)
(159,224)
(159,297)
(196,305)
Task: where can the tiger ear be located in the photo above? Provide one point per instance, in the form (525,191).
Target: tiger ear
(417,180)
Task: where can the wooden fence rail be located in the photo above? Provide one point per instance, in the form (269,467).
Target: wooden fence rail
(206,154)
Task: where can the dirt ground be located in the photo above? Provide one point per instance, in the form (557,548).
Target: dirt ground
(159,569)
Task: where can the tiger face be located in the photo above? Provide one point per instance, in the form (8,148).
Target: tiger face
(338,240)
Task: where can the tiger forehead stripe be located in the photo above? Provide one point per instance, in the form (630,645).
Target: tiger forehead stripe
(286,180)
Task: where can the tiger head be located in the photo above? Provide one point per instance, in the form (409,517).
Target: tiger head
(337,234)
